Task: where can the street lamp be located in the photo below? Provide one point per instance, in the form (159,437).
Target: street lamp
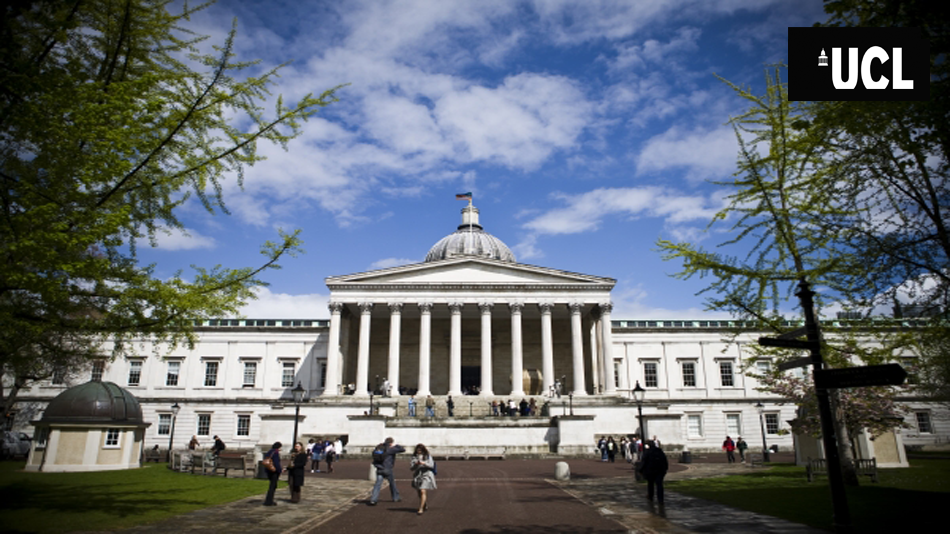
(171,436)
(638,394)
(298,398)
(570,397)
(765,449)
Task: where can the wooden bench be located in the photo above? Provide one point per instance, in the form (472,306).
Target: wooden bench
(862,467)
(227,461)
(755,459)
(155,455)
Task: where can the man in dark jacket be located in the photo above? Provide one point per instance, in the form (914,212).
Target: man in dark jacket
(653,467)
(274,455)
(384,458)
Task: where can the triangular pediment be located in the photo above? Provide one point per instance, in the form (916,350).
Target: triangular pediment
(469,271)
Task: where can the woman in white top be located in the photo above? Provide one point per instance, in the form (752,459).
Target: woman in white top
(423,474)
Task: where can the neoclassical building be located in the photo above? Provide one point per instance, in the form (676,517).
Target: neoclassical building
(472,323)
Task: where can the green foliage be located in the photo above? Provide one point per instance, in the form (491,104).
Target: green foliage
(110,120)
(109,500)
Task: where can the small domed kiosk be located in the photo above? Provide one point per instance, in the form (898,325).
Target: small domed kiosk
(96,426)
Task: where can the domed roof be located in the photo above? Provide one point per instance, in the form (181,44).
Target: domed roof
(94,402)
(470,240)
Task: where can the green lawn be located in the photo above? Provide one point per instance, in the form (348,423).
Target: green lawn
(67,502)
(911,498)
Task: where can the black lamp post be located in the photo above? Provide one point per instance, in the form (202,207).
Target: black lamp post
(298,398)
(765,449)
(638,394)
(171,436)
(570,397)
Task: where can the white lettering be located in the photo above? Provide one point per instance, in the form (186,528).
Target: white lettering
(899,82)
(852,69)
(875,52)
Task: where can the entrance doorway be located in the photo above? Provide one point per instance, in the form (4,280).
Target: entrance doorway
(471,378)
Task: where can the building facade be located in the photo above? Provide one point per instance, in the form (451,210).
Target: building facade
(472,324)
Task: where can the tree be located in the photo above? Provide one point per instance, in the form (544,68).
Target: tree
(784,199)
(111,120)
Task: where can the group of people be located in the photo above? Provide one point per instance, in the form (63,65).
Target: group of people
(526,408)
(422,466)
(317,450)
(320,450)
(732,446)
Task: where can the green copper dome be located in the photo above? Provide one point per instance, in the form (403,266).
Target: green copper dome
(94,402)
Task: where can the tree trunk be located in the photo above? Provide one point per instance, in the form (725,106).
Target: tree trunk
(10,400)
(843,439)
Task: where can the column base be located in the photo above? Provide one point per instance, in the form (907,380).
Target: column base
(484,393)
(581,393)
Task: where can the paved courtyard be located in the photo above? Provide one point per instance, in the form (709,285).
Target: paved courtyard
(485,497)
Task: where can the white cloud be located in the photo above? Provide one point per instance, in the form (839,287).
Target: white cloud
(584,212)
(704,154)
(386,263)
(630,303)
(175,239)
(283,306)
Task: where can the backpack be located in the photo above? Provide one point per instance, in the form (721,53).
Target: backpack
(435,471)
(379,455)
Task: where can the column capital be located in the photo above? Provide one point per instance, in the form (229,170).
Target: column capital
(365,307)
(485,307)
(395,307)
(335,307)
(456,307)
(606,307)
(575,306)
(545,307)
(425,307)
(516,306)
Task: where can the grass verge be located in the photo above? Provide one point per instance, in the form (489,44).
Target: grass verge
(904,498)
(108,500)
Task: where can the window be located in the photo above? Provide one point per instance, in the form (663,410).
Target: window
(725,374)
(244,425)
(211,374)
(164,424)
(733,424)
(923,423)
(174,369)
(42,434)
(689,374)
(204,424)
(323,374)
(287,379)
(650,379)
(135,372)
(250,374)
(616,374)
(112,437)
(59,376)
(771,423)
(694,426)
(98,367)
(762,367)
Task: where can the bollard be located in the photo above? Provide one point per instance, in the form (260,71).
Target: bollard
(562,471)
(372,473)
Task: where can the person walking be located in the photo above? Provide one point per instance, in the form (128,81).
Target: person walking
(384,458)
(329,452)
(316,454)
(412,405)
(741,445)
(295,471)
(430,406)
(611,449)
(450,404)
(729,446)
(423,475)
(273,476)
(653,467)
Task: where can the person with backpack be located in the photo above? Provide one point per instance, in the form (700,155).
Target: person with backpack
(384,458)
(217,447)
(730,447)
(653,467)
(423,474)
(274,456)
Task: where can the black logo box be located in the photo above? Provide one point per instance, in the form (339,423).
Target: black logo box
(807,80)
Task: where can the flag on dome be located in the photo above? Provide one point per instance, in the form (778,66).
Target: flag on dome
(464,196)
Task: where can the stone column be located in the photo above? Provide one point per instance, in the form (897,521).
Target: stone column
(425,347)
(595,355)
(362,361)
(547,348)
(455,349)
(332,386)
(485,308)
(577,349)
(517,368)
(395,327)
(610,387)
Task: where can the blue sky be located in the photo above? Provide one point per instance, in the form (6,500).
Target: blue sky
(586,130)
